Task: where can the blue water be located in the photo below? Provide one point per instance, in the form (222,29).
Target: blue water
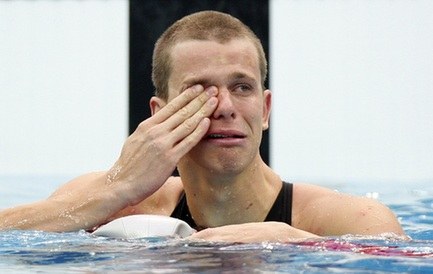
(80,252)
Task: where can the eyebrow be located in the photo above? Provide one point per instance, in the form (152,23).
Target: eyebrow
(193,81)
(241,75)
(206,82)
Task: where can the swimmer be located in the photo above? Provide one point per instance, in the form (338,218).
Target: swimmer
(208,114)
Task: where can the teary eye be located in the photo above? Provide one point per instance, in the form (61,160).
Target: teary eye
(243,88)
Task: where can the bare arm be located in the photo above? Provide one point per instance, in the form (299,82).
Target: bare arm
(253,233)
(148,158)
(356,216)
(80,204)
(330,213)
(317,212)
(363,218)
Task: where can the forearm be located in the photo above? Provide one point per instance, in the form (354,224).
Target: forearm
(254,232)
(83,203)
(49,215)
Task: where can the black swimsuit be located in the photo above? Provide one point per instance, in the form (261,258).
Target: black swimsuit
(281,211)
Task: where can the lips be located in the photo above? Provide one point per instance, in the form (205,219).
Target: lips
(225,135)
(220,136)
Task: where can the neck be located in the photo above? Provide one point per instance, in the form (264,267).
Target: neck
(222,199)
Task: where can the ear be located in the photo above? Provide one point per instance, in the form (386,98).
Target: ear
(156,104)
(267,102)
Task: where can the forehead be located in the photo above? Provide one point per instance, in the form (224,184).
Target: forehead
(192,47)
(195,58)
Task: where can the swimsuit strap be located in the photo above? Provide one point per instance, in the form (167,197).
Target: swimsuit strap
(281,210)
(182,212)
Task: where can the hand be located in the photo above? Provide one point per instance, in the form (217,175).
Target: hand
(253,233)
(151,153)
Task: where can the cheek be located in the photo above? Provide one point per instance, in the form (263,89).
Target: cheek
(254,117)
(251,109)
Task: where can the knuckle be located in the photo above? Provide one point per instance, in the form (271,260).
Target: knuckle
(184,112)
(189,124)
(204,111)
(172,107)
(142,126)
(156,146)
(188,95)
(152,135)
(188,142)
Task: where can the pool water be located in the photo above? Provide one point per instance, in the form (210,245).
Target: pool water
(81,252)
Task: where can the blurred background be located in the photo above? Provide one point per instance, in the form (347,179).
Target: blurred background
(352,84)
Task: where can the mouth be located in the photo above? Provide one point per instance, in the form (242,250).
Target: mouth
(224,136)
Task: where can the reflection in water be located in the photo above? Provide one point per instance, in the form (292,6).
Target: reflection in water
(41,251)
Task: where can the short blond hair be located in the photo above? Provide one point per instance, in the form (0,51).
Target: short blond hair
(204,25)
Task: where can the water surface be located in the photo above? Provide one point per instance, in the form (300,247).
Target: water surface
(81,252)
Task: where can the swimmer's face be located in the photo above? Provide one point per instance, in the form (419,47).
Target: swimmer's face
(242,113)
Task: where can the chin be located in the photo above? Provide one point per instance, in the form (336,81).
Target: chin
(227,166)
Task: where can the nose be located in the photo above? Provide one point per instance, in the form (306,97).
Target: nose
(225,108)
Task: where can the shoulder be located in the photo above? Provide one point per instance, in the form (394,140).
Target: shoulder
(324,212)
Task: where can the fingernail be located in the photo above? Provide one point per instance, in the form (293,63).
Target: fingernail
(197,88)
(212,91)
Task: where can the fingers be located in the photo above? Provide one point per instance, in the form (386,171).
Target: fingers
(199,105)
(178,105)
(191,140)
(189,120)
(176,128)
(191,123)
(186,120)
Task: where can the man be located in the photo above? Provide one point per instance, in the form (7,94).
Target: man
(208,115)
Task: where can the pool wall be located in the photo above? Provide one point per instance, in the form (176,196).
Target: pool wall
(351,83)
